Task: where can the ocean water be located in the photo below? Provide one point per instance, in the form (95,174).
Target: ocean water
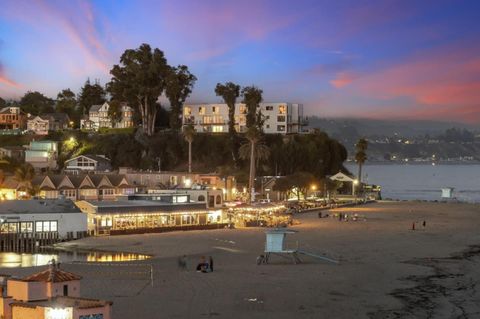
(423,182)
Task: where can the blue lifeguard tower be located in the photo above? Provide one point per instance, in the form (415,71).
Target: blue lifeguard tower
(275,244)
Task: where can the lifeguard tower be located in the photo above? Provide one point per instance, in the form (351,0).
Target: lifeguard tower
(275,244)
(447,192)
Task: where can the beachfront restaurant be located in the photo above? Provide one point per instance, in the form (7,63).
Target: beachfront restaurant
(148,216)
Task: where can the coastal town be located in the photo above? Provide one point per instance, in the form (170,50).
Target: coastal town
(54,191)
(239,159)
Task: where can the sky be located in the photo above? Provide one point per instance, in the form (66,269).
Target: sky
(404,59)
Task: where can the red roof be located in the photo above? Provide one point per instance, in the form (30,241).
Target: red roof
(52,275)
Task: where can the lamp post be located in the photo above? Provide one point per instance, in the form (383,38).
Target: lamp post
(354,183)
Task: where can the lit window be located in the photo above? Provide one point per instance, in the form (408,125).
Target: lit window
(282,109)
(281,128)
(217,128)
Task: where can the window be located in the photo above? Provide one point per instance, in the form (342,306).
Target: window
(269,108)
(218,200)
(281,128)
(281,118)
(243,109)
(26,227)
(46,226)
(217,128)
(187,110)
(215,110)
(201,110)
(93,316)
(201,198)
(268,125)
(282,109)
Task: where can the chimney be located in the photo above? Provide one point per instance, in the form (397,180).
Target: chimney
(52,267)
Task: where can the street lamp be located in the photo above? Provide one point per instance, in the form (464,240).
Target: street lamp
(354,183)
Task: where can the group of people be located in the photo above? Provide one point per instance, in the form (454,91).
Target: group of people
(205,265)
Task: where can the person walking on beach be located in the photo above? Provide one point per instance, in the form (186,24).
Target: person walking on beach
(182,262)
(210,261)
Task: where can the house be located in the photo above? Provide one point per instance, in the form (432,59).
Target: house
(59,218)
(89,163)
(144,180)
(12,118)
(279,118)
(14,152)
(43,123)
(98,117)
(49,294)
(38,125)
(42,154)
(58,121)
(73,187)
(143,216)
(80,187)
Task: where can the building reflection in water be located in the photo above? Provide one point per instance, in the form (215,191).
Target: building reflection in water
(12,260)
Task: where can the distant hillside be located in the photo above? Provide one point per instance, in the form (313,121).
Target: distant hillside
(402,139)
(350,127)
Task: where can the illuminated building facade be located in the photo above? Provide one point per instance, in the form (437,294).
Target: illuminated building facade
(279,118)
(59,219)
(142,216)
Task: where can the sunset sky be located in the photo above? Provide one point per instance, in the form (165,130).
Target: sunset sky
(375,59)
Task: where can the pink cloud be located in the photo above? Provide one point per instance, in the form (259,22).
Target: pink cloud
(75,20)
(5,80)
(442,82)
(342,79)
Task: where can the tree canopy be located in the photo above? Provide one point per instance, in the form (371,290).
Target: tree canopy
(252,97)
(91,94)
(3,103)
(229,93)
(179,85)
(36,103)
(140,80)
(67,103)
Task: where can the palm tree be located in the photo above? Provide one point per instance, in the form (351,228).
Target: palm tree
(188,134)
(361,156)
(33,190)
(254,136)
(24,175)
(229,93)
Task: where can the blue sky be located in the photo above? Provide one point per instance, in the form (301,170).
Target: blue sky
(375,59)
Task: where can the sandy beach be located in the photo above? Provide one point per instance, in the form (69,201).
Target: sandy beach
(386,269)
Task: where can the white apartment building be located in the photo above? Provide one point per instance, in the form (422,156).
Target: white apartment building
(280,118)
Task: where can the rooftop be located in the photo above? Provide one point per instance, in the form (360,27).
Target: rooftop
(38,206)
(130,206)
(52,274)
(64,301)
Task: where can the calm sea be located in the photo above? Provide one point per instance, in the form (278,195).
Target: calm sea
(423,182)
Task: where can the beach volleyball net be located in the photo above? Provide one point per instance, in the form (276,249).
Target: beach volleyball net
(119,271)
